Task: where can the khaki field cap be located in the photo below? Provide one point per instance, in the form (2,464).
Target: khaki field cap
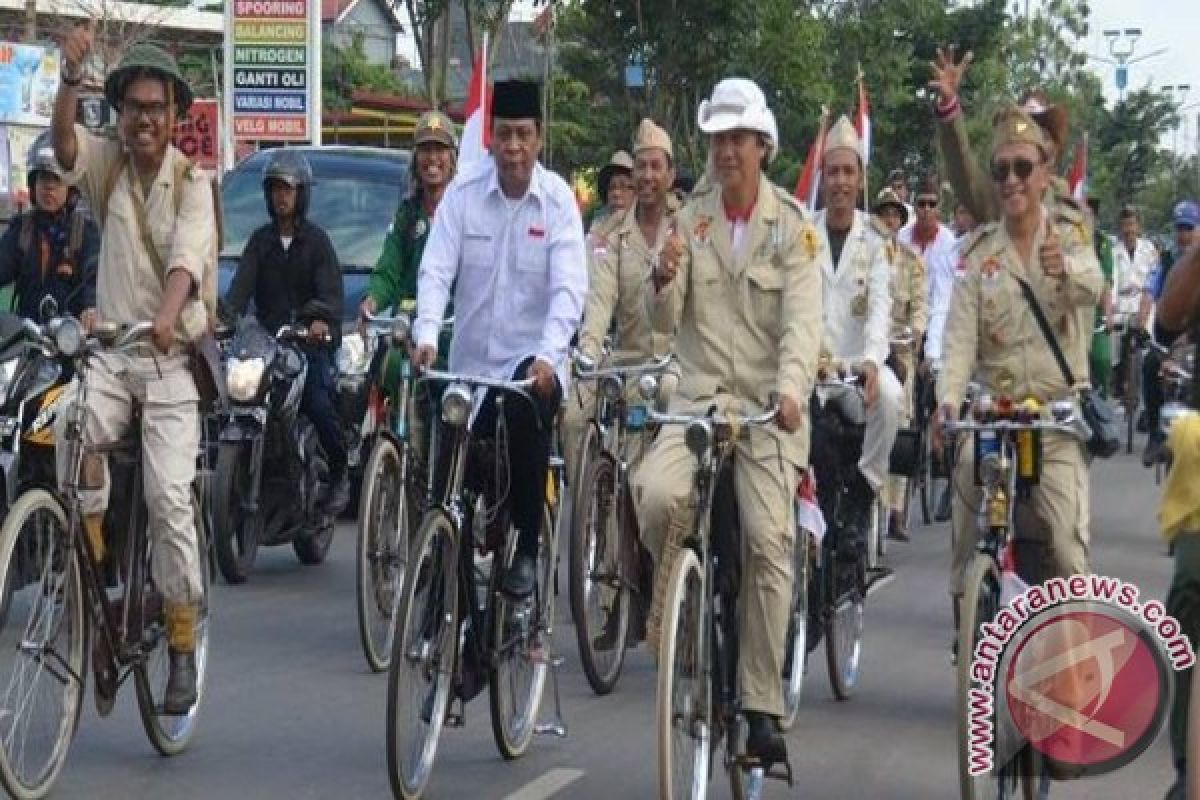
(738,104)
(842,136)
(1012,125)
(620,160)
(887,198)
(434,126)
(1053,119)
(649,136)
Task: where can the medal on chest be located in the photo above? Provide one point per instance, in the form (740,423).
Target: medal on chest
(701,232)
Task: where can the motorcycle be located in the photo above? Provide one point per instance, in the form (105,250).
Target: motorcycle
(270,471)
(355,358)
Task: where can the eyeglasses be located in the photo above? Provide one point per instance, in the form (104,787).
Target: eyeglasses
(927,203)
(135,109)
(1184,227)
(1021,167)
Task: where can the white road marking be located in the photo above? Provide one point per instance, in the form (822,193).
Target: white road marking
(547,785)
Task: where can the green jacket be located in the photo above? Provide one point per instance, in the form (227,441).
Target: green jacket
(394,279)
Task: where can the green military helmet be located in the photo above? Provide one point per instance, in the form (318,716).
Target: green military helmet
(434,126)
(147,58)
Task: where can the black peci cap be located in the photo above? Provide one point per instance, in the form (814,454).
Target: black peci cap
(516,100)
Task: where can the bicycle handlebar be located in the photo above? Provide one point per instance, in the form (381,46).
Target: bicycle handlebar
(628,370)
(524,385)
(738,420)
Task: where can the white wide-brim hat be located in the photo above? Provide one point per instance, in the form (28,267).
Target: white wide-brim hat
(738,104)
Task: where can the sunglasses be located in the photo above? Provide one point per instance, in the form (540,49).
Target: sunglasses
(1021,167)
(1183,227)
(926,203)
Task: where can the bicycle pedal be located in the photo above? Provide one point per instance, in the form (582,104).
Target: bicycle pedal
(556,729)
(781,772)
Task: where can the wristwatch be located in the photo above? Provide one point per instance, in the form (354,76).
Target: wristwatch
(69,79)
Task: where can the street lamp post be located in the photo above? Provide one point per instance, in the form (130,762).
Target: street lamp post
(1121,44)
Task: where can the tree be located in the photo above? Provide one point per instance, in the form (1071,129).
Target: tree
(344,69)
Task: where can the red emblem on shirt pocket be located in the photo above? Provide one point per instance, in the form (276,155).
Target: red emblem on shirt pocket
(537,233)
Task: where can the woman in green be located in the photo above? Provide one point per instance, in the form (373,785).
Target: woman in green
(1101,353)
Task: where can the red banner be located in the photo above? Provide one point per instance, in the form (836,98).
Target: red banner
(199,135)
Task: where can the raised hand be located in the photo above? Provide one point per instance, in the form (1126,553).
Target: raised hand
(947,74)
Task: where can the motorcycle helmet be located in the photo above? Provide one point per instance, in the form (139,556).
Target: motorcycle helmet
(291,167)
(41,159)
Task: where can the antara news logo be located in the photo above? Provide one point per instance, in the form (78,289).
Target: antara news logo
(1078,668)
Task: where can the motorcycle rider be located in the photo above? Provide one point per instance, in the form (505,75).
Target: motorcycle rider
(1186,217)
(858,311)
(154,195)
(740,280)
(508,242)
(290,270)
(52,249)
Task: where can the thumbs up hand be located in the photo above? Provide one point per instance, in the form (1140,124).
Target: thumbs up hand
(1051,255)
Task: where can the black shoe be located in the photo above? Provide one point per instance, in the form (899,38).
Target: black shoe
(1143,422)
(181,684)
(1153,451)
(897,530)
(337,495)
(764,743)
(520,578)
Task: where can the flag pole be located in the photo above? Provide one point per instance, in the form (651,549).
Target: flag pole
(866,155)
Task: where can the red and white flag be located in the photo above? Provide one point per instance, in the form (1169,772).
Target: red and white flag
(477,132)
(808,185)
(1077,179)
(862,120)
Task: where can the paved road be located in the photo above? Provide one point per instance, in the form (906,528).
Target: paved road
(293,712)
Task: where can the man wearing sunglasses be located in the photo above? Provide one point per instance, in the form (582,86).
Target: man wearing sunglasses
(937,245)
(1186,217)
(993,335)
(970,182)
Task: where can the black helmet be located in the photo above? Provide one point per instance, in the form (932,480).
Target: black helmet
(291,167)
(41,159)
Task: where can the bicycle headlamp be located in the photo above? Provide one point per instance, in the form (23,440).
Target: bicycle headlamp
(698,435)
(648,388)
(611,386)
(456,405)
(401,327)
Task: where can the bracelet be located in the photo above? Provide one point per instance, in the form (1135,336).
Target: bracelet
(949,109)
(71,81)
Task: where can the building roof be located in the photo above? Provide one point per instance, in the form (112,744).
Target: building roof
(334,11)
(180,19)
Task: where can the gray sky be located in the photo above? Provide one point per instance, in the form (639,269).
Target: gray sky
(1170,24)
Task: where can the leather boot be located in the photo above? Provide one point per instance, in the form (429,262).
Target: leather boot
(181,641)
(764,742)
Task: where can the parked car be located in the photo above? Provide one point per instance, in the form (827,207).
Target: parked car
(355,198)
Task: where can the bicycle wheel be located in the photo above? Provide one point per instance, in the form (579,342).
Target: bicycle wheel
(797,636)
(520,651)
(1133,391)
(683,699)
(881,528)
(600,595)
(237,532)
(383,545)
(980,603)
(423,652)
(170,734)
(844,625)
(43,643)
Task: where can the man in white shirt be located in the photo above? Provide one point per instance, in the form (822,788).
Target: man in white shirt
(1133,260)
(858,310)
(937,245)
(510,232)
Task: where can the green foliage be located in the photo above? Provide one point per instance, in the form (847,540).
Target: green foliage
(344,69)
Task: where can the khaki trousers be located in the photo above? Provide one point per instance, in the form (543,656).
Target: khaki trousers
(896,485)
(664,496)
(170,439)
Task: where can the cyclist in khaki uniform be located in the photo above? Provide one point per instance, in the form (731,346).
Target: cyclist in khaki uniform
(742,281)
(909,291)
(621,267)
(134,185)
(993,335)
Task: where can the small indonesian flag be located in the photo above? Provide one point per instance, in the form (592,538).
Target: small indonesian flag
(477,133)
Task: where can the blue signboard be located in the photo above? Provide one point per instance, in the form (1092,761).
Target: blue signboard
(270,102)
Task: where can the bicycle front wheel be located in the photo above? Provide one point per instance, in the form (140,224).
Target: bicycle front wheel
(980,603)
(383,544)
(600,596)
(521,650)
(797,641)
(683,718)
(422,660)
(42,645)
(170,734)
(844,625)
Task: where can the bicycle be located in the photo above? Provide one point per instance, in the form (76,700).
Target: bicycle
(608,573)
(1007,442)
(1176,375)
(453,621)
(696,699)
(68,611)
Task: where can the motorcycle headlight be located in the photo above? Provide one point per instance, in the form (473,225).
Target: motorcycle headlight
(68,336)
(7,370)
(352,357)
(456,405)
(244,376)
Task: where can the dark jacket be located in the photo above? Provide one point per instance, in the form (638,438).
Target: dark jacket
(299,285)
(37,258)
